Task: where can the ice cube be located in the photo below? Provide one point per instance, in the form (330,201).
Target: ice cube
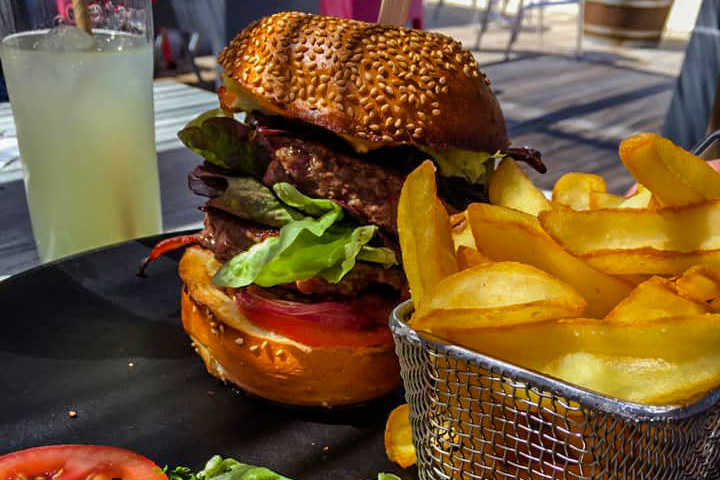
(65,39)
(116,43)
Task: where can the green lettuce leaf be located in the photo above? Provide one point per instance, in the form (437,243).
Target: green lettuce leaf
(475,167)
(214,113)
(243,197)
(387,476)
(218,468)
(382,255)
(312,206)
(319,245)
(223,141)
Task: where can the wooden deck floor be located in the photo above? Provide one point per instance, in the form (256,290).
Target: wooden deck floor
(577,112)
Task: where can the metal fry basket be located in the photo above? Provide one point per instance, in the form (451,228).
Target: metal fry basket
(476,417)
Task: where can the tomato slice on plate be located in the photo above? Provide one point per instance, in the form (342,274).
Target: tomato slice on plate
(78,462)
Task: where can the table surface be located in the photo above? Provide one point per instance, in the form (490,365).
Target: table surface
(175,105)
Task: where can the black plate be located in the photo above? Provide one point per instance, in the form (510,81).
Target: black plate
(70,331)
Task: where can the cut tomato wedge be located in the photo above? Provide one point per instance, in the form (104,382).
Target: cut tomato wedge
(78,462)
(360,323)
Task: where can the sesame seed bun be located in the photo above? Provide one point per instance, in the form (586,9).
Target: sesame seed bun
(270,365)
(379,84)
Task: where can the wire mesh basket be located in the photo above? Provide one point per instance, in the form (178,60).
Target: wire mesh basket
(476,417)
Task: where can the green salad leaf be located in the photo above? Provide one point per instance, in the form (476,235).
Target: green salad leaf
(243,197)
(218,468)
(319,244)
(382,255)
(222,141)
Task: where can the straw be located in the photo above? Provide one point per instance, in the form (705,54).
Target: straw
(394,12)
(82,15)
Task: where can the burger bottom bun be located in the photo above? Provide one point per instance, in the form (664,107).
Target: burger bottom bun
(269,365)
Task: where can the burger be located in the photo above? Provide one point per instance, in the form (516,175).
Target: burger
(288,288)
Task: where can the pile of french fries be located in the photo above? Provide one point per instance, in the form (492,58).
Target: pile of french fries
(620,295)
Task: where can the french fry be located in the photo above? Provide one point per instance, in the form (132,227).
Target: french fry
(398,437)
(641,199)
(702,284)
(573,190)
(600,200)
(634,279)
(425,237)
(498,294)
(655,298)
(470,257)
(511,187)
(461,232)
(503,234)
(675,176)
(627,241)
(642,380)
(680,355)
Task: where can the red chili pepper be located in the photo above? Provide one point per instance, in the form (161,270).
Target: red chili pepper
(165,246)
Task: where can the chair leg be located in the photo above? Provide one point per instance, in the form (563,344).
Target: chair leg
(484,25)
(541,24)
(515,29)
(580,25)
(504,7)
(436,12)
(193,43)
(476,13)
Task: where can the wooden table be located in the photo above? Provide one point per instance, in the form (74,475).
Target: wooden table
(175,104)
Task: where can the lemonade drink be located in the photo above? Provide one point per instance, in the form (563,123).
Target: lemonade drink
(84,119)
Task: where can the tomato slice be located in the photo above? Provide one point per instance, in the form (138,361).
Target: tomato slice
(360,323)
(227,99)
(78,462)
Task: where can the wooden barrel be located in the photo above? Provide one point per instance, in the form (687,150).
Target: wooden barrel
(627,21)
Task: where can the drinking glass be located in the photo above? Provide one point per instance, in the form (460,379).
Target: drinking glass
(83,110)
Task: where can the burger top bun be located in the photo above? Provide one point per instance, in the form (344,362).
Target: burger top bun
(370,83)
(270,365)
